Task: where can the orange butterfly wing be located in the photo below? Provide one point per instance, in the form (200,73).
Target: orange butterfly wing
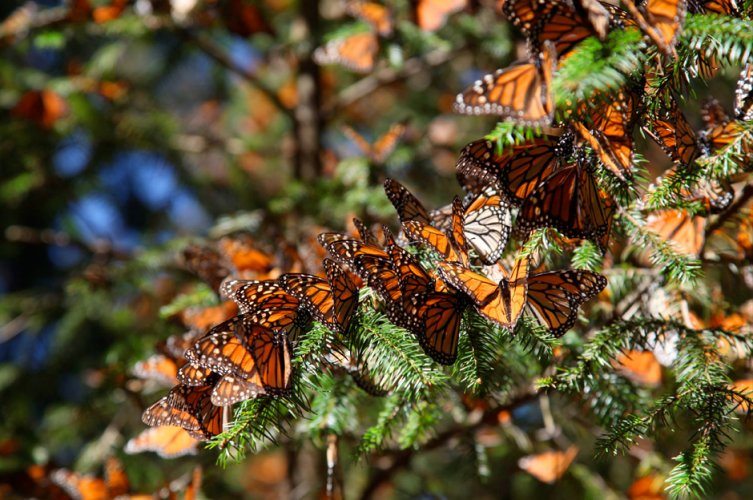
(521,93)
(167,441)
(356,52)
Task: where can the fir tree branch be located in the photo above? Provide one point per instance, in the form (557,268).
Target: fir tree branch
(400,459)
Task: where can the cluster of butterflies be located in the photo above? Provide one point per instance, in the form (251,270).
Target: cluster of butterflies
(358,51)
(249,355)
(547,182)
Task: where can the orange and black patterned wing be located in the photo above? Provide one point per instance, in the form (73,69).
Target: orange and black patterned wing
(516,171)
(570,201)
(440,315)
(490,298)
(189,408)
(666,18)
(385,145)
(344,295)
(356,52)
(675,135)
(272,355)
(223,350)
(366,234)
(193,374)
(406,204)
(726,7)
(744,94)
(434,238)
(267,303)
(519,93)
(168,441)
(313,292)
(415,281)
(231,389)
(555,296)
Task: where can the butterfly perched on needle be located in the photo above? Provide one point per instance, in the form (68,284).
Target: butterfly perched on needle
(190,408)
(608,129)
(570,201)
(356,52)
(331,301)
(267,303)
(251,358)
(517,170)
(521,93)
(554,296)
(382,147)
(672,131)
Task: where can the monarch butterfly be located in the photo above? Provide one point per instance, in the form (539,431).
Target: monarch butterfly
(727,7)
(266,303)
(231,389)
(331,301)
(675,135)
(451,246)
(159,368)
(549,466)
(187,407)
(570,201)
(439,316)
(246,349)
(356,52)
(561,22)
(685,231)
(554,296)
(487,223)
(167,441)
(611,132)
(665,18)
(406,204)
(373,13)
(516,171)
(383,147)
(502,303)
(744,94)
(430,15)
(366,235)
(434,317)
(193,374)
(521,92)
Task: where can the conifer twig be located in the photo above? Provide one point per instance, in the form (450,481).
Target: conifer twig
(401,458)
